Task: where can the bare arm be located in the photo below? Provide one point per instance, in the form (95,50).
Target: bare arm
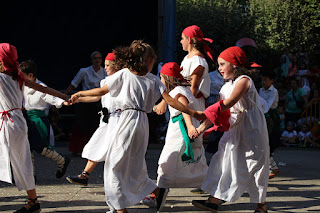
(89,99)
(179,106)
(195,80)
(47,90)
(92,92)
(192,132)
(239,90)
(69,89)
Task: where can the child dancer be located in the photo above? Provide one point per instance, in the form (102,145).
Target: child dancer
(95,149)
(134,91)
(182,162)
(242,161)
(35,104)
(195,66)
(14,146)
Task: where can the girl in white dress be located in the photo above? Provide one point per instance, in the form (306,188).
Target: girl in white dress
(95,149)
(134,91)
(182,163)
(15,153)
(242,161)
(195,67)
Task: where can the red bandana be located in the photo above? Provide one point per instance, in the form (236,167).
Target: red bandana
(110,57)
(172,69)
(194,31)
(236,56)
(8,57)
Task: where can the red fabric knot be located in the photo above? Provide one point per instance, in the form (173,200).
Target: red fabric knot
(6,113)
(219,119)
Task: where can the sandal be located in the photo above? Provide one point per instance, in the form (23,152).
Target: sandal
(206,205)
(34,207)
(259,207)
(81,179)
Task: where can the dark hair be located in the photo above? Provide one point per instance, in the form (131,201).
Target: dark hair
(14,75)
(171,82)
(269,74)
(29,67)
(252,73)
(135,57)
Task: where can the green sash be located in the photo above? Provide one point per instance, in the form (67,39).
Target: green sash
(35,116)
(188,153)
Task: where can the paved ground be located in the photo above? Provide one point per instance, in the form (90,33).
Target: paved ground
(295,189)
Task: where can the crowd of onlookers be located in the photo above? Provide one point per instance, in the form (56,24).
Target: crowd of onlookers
(297,83)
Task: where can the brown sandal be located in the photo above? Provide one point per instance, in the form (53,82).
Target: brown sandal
(259,207)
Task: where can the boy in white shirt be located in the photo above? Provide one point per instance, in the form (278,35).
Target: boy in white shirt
(35,105)
(270,94)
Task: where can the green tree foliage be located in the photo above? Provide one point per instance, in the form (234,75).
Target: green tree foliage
(273,24)
(286,23)
(222,21)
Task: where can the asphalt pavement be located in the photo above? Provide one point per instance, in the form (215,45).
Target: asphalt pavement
(295,189)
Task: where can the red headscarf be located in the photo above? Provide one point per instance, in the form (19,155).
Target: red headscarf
(9,57)
(110,57)
(194,31)
(172,69)
(236,56)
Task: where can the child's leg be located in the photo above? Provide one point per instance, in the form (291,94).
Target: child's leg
(90,166)
(83,178)
(62,162)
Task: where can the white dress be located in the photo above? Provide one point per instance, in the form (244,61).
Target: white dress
(189,65)
(96,148)
(126,177)
(172,171)
(14,144)
(242,161)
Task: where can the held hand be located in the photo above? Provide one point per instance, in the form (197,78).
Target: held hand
(160,108)
(67,103)
(75,97)
(192,132)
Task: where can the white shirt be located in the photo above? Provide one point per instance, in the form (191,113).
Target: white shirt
(270,96)
(303,134)
(36,100)
(289,134)
(89,78)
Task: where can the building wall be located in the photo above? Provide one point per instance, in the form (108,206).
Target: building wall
(60,35)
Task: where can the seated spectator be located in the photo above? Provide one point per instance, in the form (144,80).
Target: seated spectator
(305,137)
(289,136)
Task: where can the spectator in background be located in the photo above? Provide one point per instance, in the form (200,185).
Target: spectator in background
(87,118)
(289,136)
(302,56)
(281,111)
(296,101)
(285,62)
(282,92)
(304,73)
(305,137)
